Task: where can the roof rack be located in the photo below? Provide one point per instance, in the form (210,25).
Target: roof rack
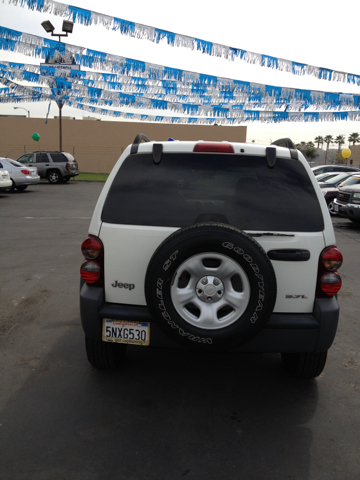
(284,142)
(137,141)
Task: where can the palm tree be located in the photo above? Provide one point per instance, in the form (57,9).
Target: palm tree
(328,139)
(319,140)
(340,140)
(354,138)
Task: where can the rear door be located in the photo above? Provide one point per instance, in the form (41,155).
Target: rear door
(42,163)
(278,206)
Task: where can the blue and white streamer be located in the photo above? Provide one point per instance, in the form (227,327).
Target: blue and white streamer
(243,95)
(246,117)
(18,93)
(155,35)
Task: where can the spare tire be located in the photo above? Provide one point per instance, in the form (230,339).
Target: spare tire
(210,286)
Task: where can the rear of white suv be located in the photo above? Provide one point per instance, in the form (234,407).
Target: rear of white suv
(211,246)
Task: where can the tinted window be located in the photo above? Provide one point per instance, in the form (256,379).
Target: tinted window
(189,188)
(58,157)
(28,158)
(42,158)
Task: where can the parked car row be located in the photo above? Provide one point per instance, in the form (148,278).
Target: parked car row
(331,178)
(30,168)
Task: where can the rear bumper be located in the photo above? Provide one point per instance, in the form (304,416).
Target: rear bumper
(71,173)
(283,332)
(28,180)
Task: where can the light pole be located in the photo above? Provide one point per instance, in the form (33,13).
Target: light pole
(22,108)
(67,27)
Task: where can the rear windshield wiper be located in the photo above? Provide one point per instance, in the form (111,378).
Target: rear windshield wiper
(270,234)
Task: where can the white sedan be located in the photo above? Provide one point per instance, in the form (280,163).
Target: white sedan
(21,176)
(5,180)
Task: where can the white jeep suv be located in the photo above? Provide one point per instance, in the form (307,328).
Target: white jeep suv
(211,246)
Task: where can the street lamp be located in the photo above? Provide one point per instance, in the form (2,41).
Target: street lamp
(22,108)
(67,27)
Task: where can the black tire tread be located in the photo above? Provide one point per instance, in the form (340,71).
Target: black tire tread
(304,365)
(103,355)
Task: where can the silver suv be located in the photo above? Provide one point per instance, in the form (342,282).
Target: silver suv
(211,246)
(56,167)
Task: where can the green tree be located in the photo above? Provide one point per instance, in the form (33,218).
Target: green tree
(340,140)
(354,138)
(319,140)
(308,150)
(327,140)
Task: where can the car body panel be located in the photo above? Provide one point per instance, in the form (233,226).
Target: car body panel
(135,245)
(5,180)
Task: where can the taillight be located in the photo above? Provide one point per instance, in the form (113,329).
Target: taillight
(331,259)
(91,271)
(91,248)
(67,166)
(213,147)
(26,172)
(329,281)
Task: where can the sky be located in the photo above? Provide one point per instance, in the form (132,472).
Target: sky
(317,33)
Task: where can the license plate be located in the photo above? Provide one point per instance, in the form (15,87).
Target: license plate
(33,173)
(336,208)
(5,177)
(122,331)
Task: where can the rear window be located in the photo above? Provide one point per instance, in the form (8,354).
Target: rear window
(15,163)
(58,157)
(190,188)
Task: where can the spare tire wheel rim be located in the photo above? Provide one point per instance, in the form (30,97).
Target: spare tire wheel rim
(210,286)
(210,298)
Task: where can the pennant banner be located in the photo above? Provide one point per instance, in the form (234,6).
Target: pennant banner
(235,95)
(62,88)
(22,94)
(156,35)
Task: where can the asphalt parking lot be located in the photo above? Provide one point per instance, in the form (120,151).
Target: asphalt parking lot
(165,414)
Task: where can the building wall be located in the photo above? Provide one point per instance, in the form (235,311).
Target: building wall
(355,155)
(97,145)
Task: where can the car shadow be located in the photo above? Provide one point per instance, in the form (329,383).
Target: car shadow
(173,413)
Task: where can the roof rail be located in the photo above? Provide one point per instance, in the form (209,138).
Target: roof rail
(284,142)
(137,141)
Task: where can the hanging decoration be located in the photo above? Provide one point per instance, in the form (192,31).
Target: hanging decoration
(53,51)
(236,95)
(245,116)
(62,89)
(156,35)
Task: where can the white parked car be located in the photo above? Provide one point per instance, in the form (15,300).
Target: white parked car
(333,168)
(211,246)
(21,176)
(5,180)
